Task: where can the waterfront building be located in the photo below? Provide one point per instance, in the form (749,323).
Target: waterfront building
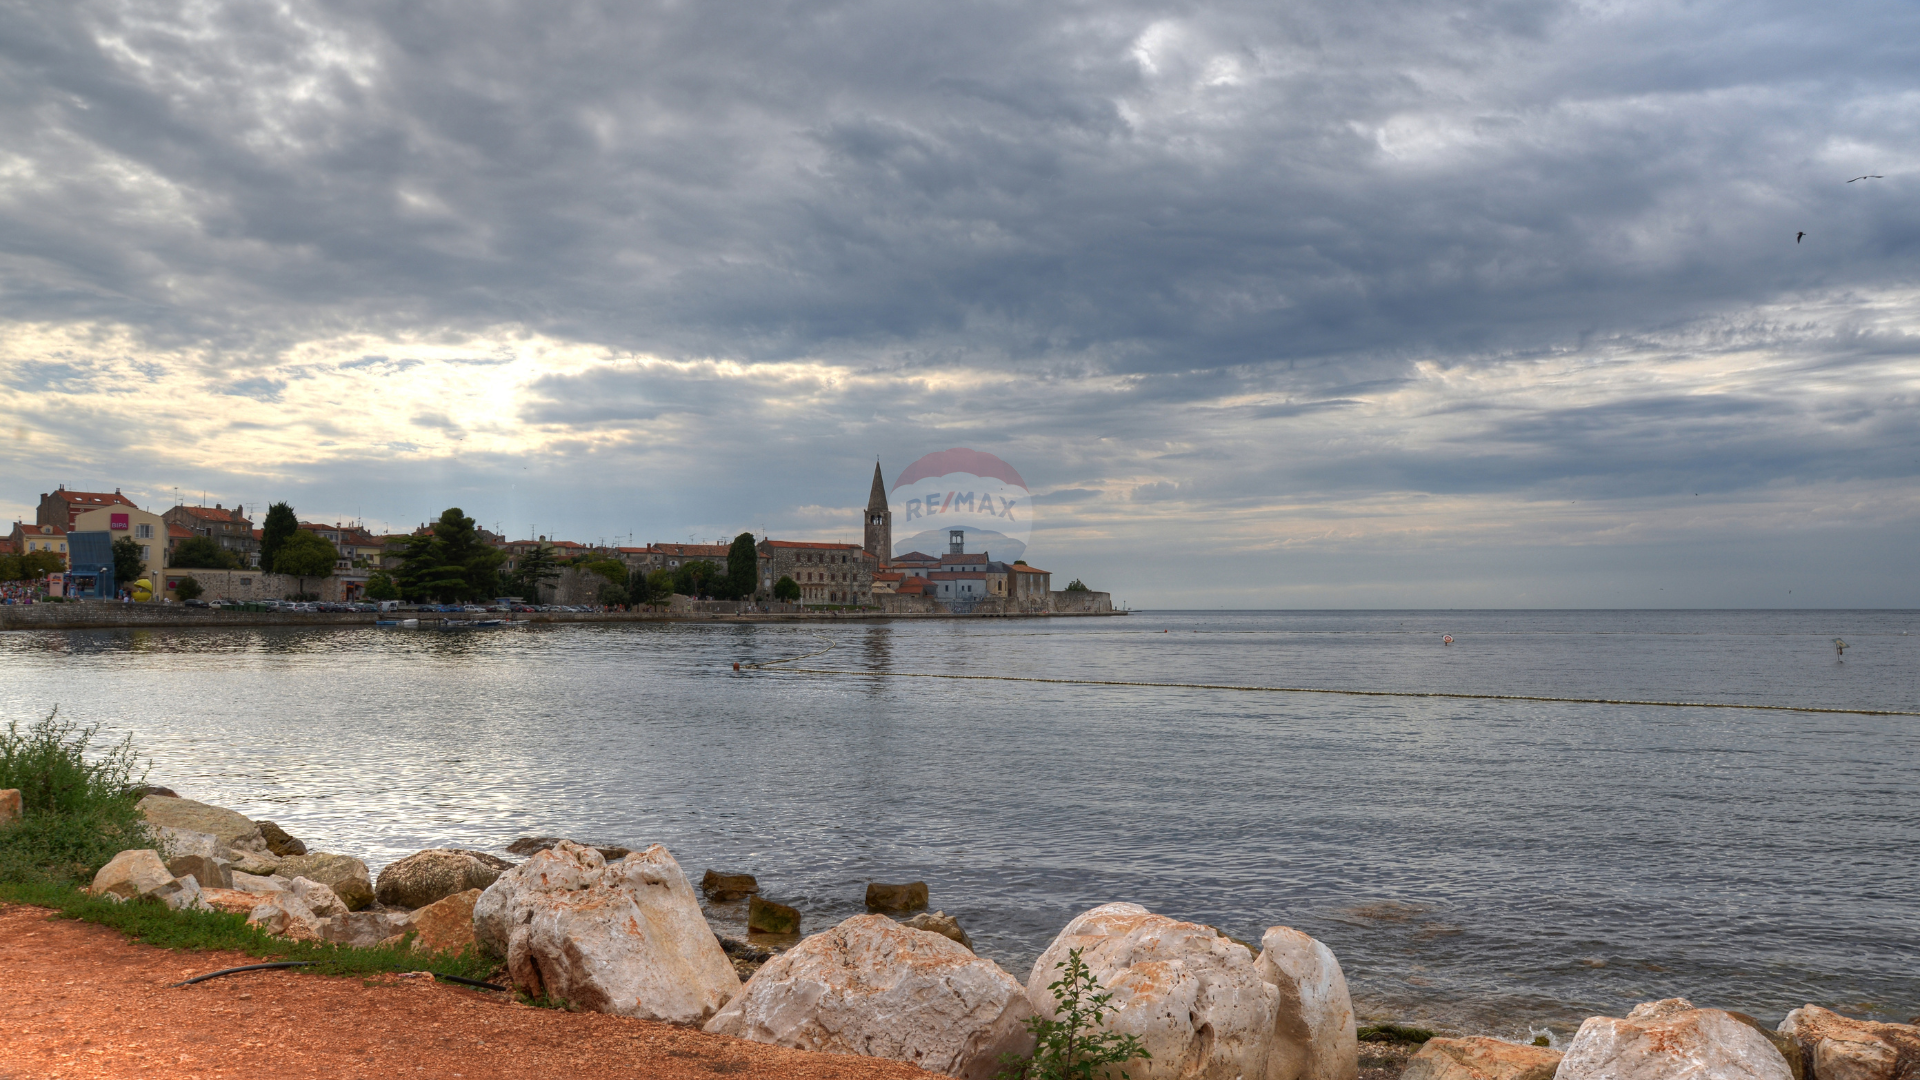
(60,507)
(826,573)
(41,537)
(227,527)
(879,521)
(89,573)
(124,520)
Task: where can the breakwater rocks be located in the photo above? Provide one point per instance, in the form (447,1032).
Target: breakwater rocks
(625,933)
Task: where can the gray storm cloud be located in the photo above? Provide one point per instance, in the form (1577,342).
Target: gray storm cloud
(1208,259)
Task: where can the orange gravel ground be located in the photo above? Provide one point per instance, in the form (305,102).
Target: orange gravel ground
(78,1000)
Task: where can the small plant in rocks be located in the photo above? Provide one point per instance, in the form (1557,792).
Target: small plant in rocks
(1076,1046)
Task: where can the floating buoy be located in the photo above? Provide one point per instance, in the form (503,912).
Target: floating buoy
(736,665)
(1448,640)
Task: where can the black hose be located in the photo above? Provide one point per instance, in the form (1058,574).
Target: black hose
(468,982)
(237,970)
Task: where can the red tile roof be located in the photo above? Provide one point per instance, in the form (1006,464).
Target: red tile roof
(102,498)
(212,513)
(179,532)
(811,545)
(1019,569)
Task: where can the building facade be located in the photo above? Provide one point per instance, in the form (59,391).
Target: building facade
(228,528)
(879,523)
(828,574)
(147,529)
(60,507)
(41,537)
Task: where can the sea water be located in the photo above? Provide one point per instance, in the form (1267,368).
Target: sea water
(1479,864)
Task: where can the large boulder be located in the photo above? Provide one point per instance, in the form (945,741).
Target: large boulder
(939,922)
(1837,1047)
(446,925)
(1195,999)
(232,900)
(435,874)
(508,902)
(1314,1037)
(873,987)
(257,863)
(183,894)
(626,937)
(320,899)
(278,842)
(1480,1058)
(283,915)
(253,883)
(210,872)
(721,888)
(132,874)
(767,917)
(232,830)
(344,874)
(908,896)
(360,929)
(533,845)
(1670,1038)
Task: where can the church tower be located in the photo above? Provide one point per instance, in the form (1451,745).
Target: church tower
(879,521)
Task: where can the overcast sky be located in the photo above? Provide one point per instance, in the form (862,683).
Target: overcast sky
(1343,303)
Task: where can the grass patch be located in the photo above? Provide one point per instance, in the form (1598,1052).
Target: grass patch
(153,923)
(1394,1033)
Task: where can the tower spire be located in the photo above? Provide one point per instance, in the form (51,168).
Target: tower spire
(877,500)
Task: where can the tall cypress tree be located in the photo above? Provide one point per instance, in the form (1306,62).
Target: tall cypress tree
(280,524)
(743,567)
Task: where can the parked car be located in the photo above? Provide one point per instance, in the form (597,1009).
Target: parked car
(195,602)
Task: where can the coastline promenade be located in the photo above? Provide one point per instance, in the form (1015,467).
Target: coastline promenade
(113,616)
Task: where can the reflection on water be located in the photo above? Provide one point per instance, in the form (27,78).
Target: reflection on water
(1487,865)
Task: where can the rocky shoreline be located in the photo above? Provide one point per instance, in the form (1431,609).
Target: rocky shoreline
(618,931)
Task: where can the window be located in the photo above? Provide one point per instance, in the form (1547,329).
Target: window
(143,532)
(146,552)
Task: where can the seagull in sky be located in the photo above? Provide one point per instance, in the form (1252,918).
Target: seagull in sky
(1869,176)
(1799,238)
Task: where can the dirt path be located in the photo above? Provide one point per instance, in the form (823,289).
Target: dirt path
(81,1001)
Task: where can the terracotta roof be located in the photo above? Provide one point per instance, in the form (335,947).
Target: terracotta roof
(912,585)
(102,498)
(888,575)
(38,530)
(1019,569)
(809,544)
(212,513)
(633,550)
(683,550)
(913,556)
(179,532)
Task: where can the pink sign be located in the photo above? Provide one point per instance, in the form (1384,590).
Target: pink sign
(117,521)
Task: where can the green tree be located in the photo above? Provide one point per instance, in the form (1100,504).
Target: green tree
(306,555)
(612,569)
(450,562)
(381,587)
(38,564)
(1076,585)
(695,578)
(743,569)
(202,553)
(1074,1046)
(128,567)
(534,568)
(188,589)
(614,594)
(786,589)
(279,525)
(659,587)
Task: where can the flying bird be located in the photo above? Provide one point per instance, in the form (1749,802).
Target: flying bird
(1799,238)
(1869,176)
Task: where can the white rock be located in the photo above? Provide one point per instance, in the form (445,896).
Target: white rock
(176,843)
(506,903)
(874,987)
(138,872)
(318,898)
(1314,1036)
(360,929)
(283,915)
(255,884)
(1194,998)
(626,937)
(1839,1047)
(1671,1040)
(183,894)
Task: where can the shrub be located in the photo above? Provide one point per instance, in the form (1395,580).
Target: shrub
(786,589)
(77,813)
(188,589)
(1076,585)
(1394,1033)
(1076,1046)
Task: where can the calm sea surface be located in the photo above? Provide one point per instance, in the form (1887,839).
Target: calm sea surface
(1487,865)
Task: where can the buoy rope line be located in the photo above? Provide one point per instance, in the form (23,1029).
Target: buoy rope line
(790,659)
(1353,693)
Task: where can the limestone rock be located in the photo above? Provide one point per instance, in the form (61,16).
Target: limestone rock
(434,874)
(11,808)
(344,874)
(723,887)
(911,896)
(358,929)
(1314,1037)
(183,894)
(241,903)
(1195,999)
(278,842)
(871,986)
(1480,1058)
(1839,1047)
(1789,1049)
(533,845)
(1671,1038)
(132,874)
(627,939)
(233,830)
(321,900)
(257,863)
(283,915)
(172,842)
(939,922)
(446,925)
(252,883)
(507,903)
(211,873)
(767,917)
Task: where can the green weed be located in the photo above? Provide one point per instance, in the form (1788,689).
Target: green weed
(1394,1033)
(77,813)
(1074,1047)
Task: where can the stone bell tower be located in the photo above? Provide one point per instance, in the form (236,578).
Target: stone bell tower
(879,542)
